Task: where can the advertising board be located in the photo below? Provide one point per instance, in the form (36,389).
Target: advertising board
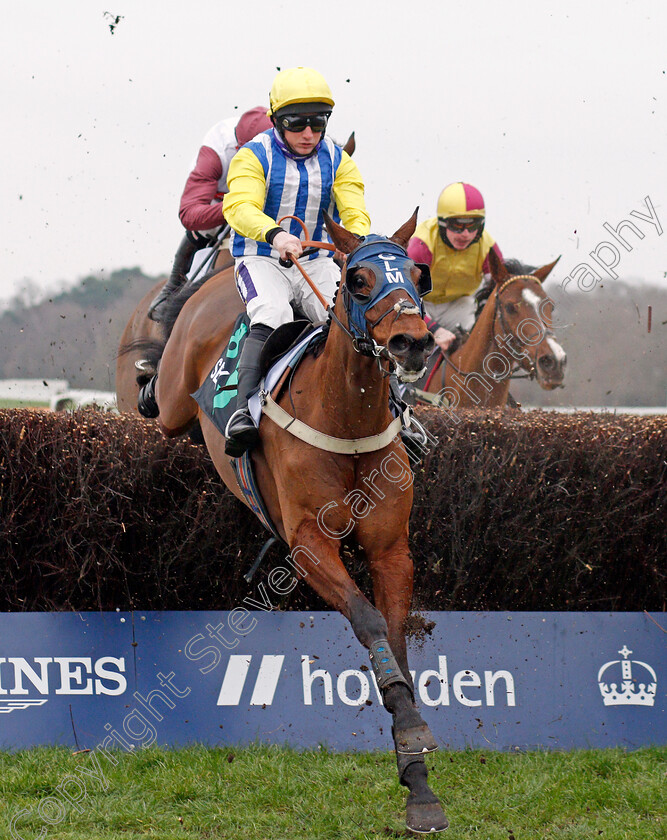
(502,681)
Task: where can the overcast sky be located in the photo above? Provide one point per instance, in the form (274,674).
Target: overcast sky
(555,111)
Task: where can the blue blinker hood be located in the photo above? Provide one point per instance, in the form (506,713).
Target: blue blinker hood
(391,266)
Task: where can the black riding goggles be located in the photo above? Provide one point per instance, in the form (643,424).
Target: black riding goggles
(460,224)
(299,122)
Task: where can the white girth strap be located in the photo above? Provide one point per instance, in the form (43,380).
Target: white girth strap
(341,446)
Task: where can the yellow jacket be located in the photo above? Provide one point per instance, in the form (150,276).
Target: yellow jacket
(454,273)
(265,185)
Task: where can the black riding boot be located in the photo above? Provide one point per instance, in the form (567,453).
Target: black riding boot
(146,402)
(241,432)
(182,262)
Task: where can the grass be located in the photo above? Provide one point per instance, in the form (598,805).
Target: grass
(16,403)
(270,793)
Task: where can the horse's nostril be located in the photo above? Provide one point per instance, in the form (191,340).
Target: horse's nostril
(547,362)
(399,344)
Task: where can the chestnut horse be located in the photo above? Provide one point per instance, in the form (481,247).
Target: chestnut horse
(312,491)
(513,331)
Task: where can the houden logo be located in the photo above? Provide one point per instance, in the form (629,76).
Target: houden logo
(253,680)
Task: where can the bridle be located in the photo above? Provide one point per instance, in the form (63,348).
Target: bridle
(360,333)
(362,341)
(498,316)
(389,263)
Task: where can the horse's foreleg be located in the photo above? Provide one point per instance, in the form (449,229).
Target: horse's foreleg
(322,567)
(327,575)
(316,559)
(392,573)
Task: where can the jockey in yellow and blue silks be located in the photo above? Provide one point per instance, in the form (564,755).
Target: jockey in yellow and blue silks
(456,247)
(293,169)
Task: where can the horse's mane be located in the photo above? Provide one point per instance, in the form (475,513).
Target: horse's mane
(318,343)
(152,348)
(172,307)
(516,267)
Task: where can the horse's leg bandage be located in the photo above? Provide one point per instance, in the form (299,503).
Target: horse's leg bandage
(385,667)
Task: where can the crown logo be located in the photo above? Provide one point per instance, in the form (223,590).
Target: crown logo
(628,691)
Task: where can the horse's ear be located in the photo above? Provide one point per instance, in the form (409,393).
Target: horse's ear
(351,145)
(545,271)
(498,270)
(403,234)
(342,239)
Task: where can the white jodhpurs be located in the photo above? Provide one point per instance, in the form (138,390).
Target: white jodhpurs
(448,315)
(269,290)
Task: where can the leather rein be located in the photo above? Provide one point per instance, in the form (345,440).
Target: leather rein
(299,429)
(364,343)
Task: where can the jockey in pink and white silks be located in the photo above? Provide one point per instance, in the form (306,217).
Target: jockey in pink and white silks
(201,203)
(294,169)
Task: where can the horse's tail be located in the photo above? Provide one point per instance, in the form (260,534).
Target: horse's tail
(151,350)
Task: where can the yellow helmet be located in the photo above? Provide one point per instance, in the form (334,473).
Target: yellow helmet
(460,199)
(299,86)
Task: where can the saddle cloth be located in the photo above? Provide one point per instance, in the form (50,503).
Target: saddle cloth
(217,399)
(217,394)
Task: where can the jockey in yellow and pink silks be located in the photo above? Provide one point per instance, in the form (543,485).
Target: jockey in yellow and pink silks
(293,169)
(456,247)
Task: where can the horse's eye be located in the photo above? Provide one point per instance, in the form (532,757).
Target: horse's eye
(511,308)
(358,282)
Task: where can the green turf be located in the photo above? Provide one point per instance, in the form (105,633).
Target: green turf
(265,793)
(15,403)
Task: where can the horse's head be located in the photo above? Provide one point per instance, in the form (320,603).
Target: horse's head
(380,295)
(523,314)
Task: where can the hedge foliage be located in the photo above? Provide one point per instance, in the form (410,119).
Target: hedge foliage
(533,511)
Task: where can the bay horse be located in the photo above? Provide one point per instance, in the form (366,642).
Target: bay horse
(513,331)
(133,369)
(318,496)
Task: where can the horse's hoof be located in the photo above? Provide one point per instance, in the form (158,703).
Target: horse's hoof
(426,818)
(415,741)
